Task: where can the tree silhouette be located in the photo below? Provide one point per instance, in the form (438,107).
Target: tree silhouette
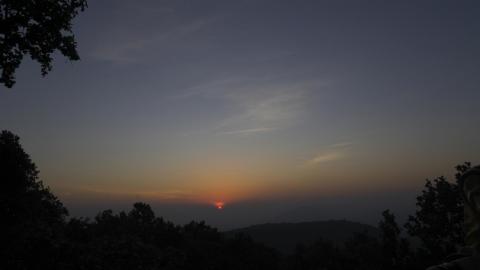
(37,28)
(32,216)
(438,220)
(395,249)
(363,251)
(322,254)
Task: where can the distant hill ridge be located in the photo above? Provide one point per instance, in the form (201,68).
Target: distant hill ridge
(285,236)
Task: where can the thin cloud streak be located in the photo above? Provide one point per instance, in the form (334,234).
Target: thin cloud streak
(335,152)
(273,108)
(168,194)
(258,104)
(266,105)
(136,48)
(325,157)
(247,131)
(341,145)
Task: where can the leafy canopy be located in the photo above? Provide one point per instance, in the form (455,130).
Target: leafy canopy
(38,28)
(438,220)
(32,216)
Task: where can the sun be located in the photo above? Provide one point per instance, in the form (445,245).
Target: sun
(219,205)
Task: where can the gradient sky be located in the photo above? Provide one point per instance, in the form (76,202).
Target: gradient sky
(284,110)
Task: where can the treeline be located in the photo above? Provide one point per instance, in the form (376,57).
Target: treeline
(36,233)
(436,229)
(139,240)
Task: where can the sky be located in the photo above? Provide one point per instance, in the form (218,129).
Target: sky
(282,110)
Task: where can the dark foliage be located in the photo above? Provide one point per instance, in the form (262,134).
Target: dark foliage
(38,28)
(323,254)
(438,220)
(306,233)
(394,248)
(35,233)
(139,240)
(32,217)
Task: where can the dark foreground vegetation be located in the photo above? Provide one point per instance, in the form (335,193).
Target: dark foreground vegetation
(285,237)
(36,233)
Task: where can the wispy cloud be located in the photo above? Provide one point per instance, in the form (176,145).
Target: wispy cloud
(325,157)
(247,131)
(167,194)
(334,152)
(133,45)
(255,104)
(259,105)
(268,108)
(341,145)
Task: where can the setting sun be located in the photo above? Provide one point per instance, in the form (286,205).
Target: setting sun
(219,205)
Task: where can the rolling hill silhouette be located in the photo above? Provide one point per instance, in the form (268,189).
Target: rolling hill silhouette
(285,236)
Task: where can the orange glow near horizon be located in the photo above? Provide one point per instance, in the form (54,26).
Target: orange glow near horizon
(219,205)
